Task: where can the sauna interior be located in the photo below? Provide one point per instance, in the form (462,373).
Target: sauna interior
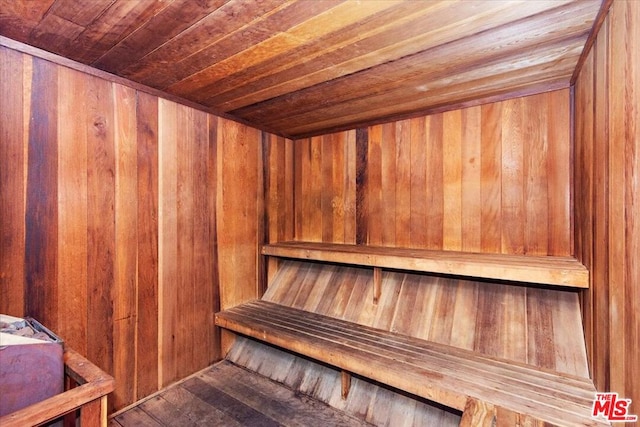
(415,212)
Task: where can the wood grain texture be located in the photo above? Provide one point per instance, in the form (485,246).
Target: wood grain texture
(606,205)
(303,69)
(488,179)
(440,373)
(112,220)
(559,271)
(147,303)
(41,211)
(499,316)
(12,184)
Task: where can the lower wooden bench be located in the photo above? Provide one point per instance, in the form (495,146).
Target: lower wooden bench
(451,376)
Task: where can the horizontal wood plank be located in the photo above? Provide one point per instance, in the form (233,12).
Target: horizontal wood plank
(548,270)
(444,374)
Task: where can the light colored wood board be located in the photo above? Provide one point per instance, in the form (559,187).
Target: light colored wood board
(491,175)
(465,307)
(125,289)
(73,244)
(435,177)
(558,175)
(167,240)
(564,271)
(471,179)
(535,150)
(148,236)
(419,206)
(237,195)
(452,180)
(512,178)
(12,182)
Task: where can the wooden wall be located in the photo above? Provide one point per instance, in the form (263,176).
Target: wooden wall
(607,202)
(122,213)
(492,178)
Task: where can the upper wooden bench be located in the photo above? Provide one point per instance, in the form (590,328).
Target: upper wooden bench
(547,270)
(484,388)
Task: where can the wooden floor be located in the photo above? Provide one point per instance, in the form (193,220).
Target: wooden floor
(227,395)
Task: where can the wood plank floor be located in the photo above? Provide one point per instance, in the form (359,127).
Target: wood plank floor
(227,395)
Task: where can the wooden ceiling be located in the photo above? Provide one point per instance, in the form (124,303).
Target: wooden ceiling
(305,67)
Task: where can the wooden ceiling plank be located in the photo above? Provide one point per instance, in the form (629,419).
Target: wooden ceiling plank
(410,33)
(54,33)
(218,25)
(17,18)
(474,83)
(497,88)
(307,74)
(419,71)
(240,40)
(331,48)
(450,94)
(170,21)
(81,12)
(116,23)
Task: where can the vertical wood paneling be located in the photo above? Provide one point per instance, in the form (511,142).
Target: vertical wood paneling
(362,178)
(491,189)
(73,243)
(403,184)
(113,209)
(471,179)
(238,153)
(125,287)
(483,179)
(419,206)
(167,239)
(12,183)
(435,179)
(607,206)
(101,221)
(452,181)
(512,221)
(41,218)
(147,300)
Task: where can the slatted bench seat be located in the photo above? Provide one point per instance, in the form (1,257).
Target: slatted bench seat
(451,376)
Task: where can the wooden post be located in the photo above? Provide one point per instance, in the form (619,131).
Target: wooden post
(377,284)
(346,383)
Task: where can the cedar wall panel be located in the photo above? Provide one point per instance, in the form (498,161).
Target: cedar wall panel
(117,207)
(607,203)
(492,178)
